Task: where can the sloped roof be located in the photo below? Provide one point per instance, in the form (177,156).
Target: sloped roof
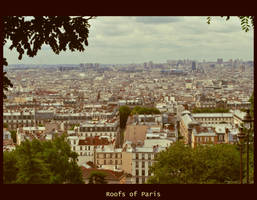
(110,175)
(94,141)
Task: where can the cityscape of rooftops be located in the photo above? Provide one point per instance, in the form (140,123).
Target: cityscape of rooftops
(143,92)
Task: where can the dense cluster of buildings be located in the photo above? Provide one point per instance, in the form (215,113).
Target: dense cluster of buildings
(83,102)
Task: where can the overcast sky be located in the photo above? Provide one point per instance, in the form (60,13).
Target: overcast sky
(120,40)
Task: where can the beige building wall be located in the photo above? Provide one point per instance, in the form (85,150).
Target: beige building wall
(127,162)
(109,158)
(135,133)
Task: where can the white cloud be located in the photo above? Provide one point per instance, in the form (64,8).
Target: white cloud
(140,39)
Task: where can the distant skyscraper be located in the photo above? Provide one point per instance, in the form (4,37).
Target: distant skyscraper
(193,65)
(220,61)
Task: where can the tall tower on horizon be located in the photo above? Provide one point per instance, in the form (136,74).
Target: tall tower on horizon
(193,65)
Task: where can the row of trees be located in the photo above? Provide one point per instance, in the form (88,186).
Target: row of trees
(42,162)
(181,164)
(144,110)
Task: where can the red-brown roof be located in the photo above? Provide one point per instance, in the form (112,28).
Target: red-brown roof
(110,175)
(94,141)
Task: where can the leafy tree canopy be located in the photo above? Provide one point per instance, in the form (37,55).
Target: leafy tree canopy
(145,110)
(42,162)
(13,135)
(27,35)
(181,164)
(247,22)
(124,112)
(97,178)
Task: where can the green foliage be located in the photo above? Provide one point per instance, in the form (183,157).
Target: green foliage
(73,126)
(45,162)
(251,100)
(251,162)
(10,168)
(13,135)
(6,84)
(181,164)
(28,36)
(32,168)
(96,177)
(251,154)
(144,110)
(5,125)
(124,112)
(122,133)
(246,22)
(210,110)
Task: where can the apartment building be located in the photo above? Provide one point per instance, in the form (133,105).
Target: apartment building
(213,118)
(238,117)
(86,147)
(210,128)
(18,119)
(142,159)
(186,125)
(236,105)
(99,128)
(137,157)
(205,135)
(31,133)
(109,158)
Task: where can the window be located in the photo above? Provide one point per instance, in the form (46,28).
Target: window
(143,172)
(143,180)
(149,156)
(116,162)
(136,164)
(149,164)
(110,155)
(104,162)
(110,162)
(143,164)
(143,156)
(137,156)
(104,155)
(137,180)
(80,148)
(137,172)
(116,155)
(74,148)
